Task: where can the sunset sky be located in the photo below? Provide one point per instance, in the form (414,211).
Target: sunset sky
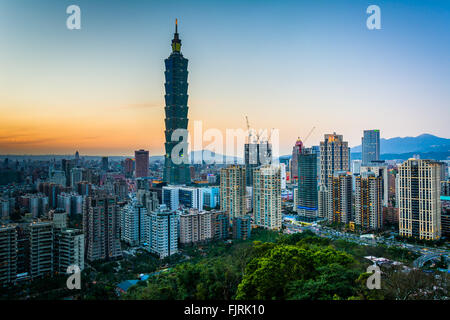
(289,65)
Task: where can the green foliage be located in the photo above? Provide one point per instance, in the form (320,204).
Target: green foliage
(276,274)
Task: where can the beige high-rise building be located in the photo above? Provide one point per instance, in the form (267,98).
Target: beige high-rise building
(419,199)
(368,200)
(196,226)
(334,156)
(233,191)
(267,197)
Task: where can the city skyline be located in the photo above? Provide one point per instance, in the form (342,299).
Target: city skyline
(287,69)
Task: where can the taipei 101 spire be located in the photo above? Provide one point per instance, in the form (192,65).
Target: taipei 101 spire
(176,109)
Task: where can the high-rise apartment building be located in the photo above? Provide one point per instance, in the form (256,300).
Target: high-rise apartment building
(221,225)
(71,203)
(419,199)
(368,201)
(133,220)
(8,254)
(334,157)
(163,232)
(196,226)
(340,197)
(380,169)
(101,226)
(232,191)
(69,249)
(267,197)
(142,161)
(242,228)
(176,171)
(148,199)
(40,235)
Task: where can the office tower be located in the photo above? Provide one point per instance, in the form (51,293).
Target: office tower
(368,201)
(242,228)
(76,176)
(267,197)
(380,169)
(163,231)
(221,225)
(142,161)
(307,194)
(334,156)
(128,167)
(210,197)
(296,150)
(256,154)
(370,146)
(69,249)
(59,218)
(340,197)
(176,110)
(232,191)
(8,254)
(40,235)
(105,163)
(101,228)
(170,197)
(190,197)
(196,227)
(133,223)
(419,199)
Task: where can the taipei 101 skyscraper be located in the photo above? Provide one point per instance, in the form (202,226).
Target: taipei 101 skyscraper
(176,113)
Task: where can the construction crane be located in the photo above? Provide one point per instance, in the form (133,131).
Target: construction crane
(249,130)
(308,135)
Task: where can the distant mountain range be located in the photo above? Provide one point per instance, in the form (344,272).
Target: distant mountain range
(425,143)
